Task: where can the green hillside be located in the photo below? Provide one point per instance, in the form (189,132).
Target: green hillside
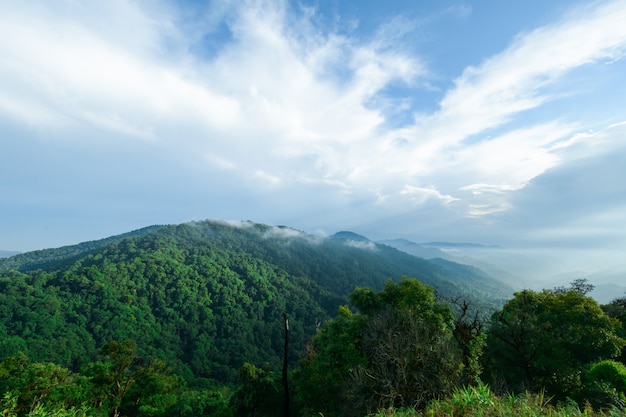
(204,297)
(53,258)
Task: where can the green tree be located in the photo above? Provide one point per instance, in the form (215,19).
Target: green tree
(543,340)
(617,309)
(605,384)
(259,394)
(33,386)
(154,392)
(320,379)
(468,333)
(197,403)
(125,384)
(116,376)
(398,351)
(580,285)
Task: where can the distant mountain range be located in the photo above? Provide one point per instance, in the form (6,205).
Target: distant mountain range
(459,245)
(205,296)
(7,253)
(473,254)
(520,268)
(416,249)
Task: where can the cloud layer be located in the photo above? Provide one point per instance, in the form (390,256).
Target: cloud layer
(124,114)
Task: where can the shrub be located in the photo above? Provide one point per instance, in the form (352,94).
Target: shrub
(605,384)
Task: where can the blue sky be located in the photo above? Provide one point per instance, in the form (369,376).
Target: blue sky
(485,121)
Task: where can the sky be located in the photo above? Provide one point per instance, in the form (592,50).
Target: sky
(501,123)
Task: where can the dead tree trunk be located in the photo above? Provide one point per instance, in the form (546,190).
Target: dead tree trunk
(285,363)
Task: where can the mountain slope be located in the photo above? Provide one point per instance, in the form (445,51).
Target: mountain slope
(54,258)
(415,249)
(484,258)
(205,296)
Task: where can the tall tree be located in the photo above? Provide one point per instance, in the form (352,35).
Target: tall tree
(398,350)
(542,340)
(617,310)
(285,366)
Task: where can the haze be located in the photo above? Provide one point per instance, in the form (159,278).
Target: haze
(501,123)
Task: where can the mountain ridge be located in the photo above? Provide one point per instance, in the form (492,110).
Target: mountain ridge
(25,261)
(204,296)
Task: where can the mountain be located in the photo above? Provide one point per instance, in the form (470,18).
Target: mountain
(204,297)
(345,235)
(491,259)
(8,253)
(42,259)
(458,245)
(522,268)
(416,249)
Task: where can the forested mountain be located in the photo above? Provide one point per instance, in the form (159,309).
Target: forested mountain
(476,255)
(54,258)
(204,297)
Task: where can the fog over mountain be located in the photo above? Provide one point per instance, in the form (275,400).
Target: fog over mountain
(531,268)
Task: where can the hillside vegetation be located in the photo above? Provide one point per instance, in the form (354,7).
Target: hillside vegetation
(188,320)
(205,297)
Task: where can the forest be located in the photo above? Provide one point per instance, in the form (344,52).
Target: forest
(188,320)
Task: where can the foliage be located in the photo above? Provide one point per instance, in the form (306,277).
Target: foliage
(617,310)
(204,309)
(35,385)
(129,385)
(468,332)
(410,361)
(543,340)
(259,394)
(480,401)
(190,321)
(204,297)
(9,407)
(401,352)
(53,258)
(320,379)
(122,384)
(398,350)
(605,384)
(579,285)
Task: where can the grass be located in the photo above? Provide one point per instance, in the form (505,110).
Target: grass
(481,402)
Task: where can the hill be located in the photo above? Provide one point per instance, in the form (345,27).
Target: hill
(54,258)
(205,297)
(416,249)
(489,259)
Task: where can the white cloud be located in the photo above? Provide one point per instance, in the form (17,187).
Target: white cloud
(78,73)
(258,103)
(420,195)
(290,88)
(266,180)
(519,154)
(289,234)
(475,134)
(371,246)
(508,83)
(488,199)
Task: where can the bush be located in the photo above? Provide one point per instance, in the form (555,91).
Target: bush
(605,383)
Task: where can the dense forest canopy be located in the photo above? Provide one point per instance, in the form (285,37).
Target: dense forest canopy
(203,296)
(188,320)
